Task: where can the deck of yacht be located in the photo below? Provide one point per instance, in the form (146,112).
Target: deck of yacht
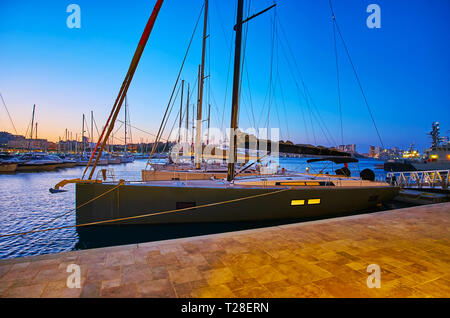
(327,258)
(269,182)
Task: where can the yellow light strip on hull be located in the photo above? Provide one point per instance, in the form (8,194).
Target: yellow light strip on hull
(314,201)
(298,183)
(298,202)
(303,202)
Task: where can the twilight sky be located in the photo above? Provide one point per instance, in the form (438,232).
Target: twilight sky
(404,67)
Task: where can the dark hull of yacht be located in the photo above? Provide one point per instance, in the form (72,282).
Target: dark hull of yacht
(135,200)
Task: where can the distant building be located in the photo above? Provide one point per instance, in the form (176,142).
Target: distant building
(376,152)
(5,137)
(348,148)
(22,143)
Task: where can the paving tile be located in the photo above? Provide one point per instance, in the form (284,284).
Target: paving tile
(435,288)
(122,291)
(340,289)
(253,292)
(4,269)
(135,274)
(195,259)
(159,272)
(182,290)
(218,276)
(156,289)
(54,290)
(304,291)
(91,289)
(218,291)
(185,275)
(50,275)
(31,291)
(20,274)
(119,258)
(4,285)
(101,274)
(110,283)
(266,274)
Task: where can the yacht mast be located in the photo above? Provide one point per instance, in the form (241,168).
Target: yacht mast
(187,116)
(32,127)
(232,153)
(126,105)
(32,122)
(82,134)
(181,112)
(198,140)
(209,122)
(235,100)
(92,130)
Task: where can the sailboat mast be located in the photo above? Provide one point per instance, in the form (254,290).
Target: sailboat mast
(187,115)
(198,141)
(235,100)
(32,122)
(92,129)
(126,106)
(32,127)
(193,117)
(181,111)
(82,134)
(209,122)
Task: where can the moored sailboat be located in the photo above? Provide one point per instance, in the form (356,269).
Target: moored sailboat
(233,198)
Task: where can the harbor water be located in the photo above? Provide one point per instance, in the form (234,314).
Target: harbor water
(27,204)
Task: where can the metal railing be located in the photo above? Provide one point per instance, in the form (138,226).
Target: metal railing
(420,179)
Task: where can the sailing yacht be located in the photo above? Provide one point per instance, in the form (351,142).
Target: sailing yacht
(230,199)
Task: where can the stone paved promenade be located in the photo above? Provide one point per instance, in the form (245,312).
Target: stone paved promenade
(326,258)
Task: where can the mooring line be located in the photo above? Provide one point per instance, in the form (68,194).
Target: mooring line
(146,215)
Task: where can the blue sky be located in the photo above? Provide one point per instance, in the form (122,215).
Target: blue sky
(403,66)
